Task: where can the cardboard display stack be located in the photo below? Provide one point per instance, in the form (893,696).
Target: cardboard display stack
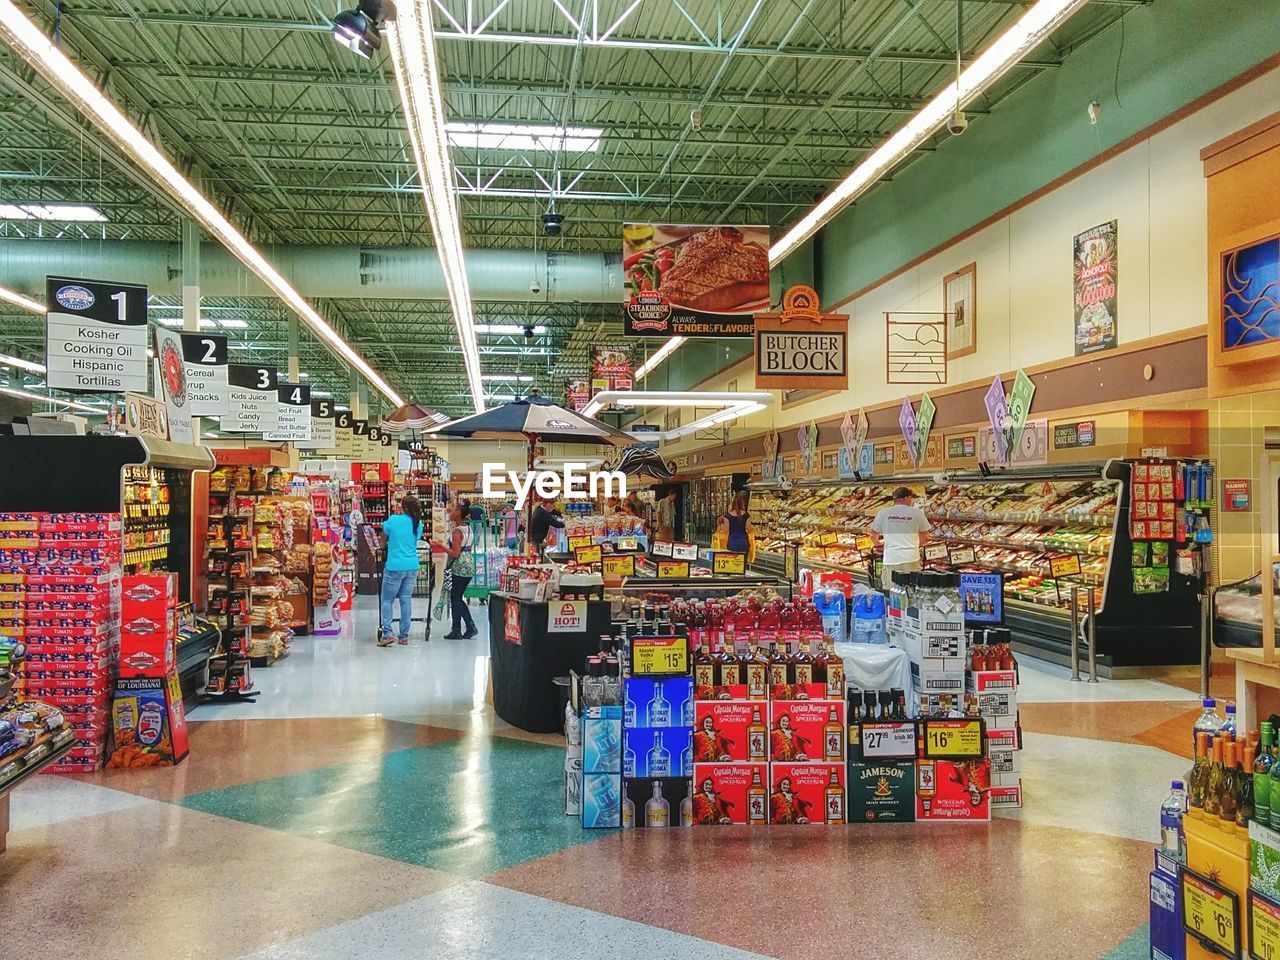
(996,691)
(60,594)
(148,716)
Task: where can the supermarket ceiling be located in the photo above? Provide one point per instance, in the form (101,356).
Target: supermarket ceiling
(693,111)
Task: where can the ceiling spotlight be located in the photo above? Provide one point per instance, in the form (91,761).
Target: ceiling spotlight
(357,29)
(551,224)
(529,332)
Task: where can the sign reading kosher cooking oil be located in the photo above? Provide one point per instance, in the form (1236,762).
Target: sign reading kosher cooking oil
(801,347)
(95,336)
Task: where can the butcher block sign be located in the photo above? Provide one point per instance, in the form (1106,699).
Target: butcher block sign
(802,348)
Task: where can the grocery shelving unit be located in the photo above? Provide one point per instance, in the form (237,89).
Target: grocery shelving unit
(1013,522)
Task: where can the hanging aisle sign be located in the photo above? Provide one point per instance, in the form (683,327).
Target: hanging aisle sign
(344,435)
(204,360)
(294,419)
(171,385)
(95,336)
(801,347)
(360,439)
(323,432)
(253,399)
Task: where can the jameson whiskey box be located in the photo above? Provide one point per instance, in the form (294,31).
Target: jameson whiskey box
(807,793)
(882,791)
(657,703)
(730,793)
(806,731)
(657,752)
(953,790)
(730,731)
(656,802)
(601,800)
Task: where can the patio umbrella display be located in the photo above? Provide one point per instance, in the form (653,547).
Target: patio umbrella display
(412,417)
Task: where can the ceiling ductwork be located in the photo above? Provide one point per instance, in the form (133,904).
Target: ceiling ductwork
(318,272)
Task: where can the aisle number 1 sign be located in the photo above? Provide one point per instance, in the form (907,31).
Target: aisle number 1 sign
(1211,914)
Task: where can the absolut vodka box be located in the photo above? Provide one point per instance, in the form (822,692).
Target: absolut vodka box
(657,752)
(664,702)
(656,802)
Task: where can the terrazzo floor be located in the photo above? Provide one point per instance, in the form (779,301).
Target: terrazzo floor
(371,805)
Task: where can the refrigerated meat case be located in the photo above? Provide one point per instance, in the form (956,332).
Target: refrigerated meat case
(1014,521)
(1237,611)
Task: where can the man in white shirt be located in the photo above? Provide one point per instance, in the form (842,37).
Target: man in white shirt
(902,529)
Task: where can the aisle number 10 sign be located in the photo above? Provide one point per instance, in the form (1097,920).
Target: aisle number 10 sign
(1211,914)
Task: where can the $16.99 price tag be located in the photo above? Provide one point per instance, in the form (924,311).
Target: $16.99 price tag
(1210,914)
(659,656)
(953,739)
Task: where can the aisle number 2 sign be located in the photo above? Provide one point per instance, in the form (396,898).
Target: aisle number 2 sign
(1264,927)
(1210,913)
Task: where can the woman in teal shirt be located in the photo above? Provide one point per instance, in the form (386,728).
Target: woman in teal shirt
(403,530)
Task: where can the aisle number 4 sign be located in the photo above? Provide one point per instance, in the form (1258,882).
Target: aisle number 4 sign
(1210,913)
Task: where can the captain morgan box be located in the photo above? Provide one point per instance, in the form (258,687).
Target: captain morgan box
(729,731)
(806,793)
(953,790)
(811,731)
(730,793)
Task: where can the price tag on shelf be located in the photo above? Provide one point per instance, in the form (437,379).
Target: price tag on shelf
(1210,913)
(1264,927)
(673,569)
(791,563)
(1064,566)
(661,548)
(828,539)
(962,555)
(863,544)
(616,567)
(886,741)
(585,555)
(628,543)
(659,656)
(576,542)
(935,551)
(684,551)
(953,739)
(729,564)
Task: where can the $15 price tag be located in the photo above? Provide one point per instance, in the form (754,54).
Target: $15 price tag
(659,656)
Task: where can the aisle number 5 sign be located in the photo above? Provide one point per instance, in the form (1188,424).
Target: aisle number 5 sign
(1211,914)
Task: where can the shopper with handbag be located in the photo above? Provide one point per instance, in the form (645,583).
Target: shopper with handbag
(461,567)
(402,530)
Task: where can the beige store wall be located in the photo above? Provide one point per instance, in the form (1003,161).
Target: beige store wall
(1155,191)
(1236,435)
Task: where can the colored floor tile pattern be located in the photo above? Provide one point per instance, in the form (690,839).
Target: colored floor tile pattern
(372,805)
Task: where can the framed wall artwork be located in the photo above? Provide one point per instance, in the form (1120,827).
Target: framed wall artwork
(960,304)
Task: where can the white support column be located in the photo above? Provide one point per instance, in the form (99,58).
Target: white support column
(191,290)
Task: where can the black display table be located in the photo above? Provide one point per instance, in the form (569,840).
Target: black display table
(524,692)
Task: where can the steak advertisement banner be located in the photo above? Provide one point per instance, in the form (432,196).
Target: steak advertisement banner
(694,281)
(1094,287)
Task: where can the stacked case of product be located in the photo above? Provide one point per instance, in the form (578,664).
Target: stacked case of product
(992,680)
(657,752)
(61,572)
(598,696)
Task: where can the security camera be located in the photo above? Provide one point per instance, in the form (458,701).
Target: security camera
(695,120)
(957,124)
(551,224)
(535,287)
(528,332)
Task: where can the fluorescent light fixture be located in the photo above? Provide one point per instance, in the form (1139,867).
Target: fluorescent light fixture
(736,404)
(411,43)
(30,43)
(23,394)
(18,300)
(304,376)
(321,393)
(168,321)
(523,136)
(658,356)
(233,324)
(19,364)
(510,377)
(65,212)
(507,329)
(342,407)
(1010,47)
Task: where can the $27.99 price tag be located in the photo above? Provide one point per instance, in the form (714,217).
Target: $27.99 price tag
(659,656)
(886,741)
(1210,913)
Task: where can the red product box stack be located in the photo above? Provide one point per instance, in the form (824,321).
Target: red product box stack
(59,593)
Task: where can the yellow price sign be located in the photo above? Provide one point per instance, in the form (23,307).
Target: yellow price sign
(1210,914)
(828,539)
(1264,928)
(591,554)
(863,544)
(617,567)
(673,569)
(791,563)
(1064,566)
(953,739)
(729,564)
(659,656)
(576,542)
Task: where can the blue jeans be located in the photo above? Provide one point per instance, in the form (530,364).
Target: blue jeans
(397,585)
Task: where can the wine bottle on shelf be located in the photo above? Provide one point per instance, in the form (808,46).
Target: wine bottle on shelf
(1213,786)
(1227,800)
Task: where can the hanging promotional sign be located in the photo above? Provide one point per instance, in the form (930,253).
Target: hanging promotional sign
(801,348)
(1032,449)
(577,392)
(253,400)
(612,367)
(924,423)
(95,336)
(323,427)
(693,281)
(171,385)
(145,416)
(1094,286)
(807,435)
(1019,407)
(204,360)
(907,424)
(293,421)
(998,417)
(867,459)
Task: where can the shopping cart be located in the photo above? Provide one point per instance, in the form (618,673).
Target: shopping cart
(423,586)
